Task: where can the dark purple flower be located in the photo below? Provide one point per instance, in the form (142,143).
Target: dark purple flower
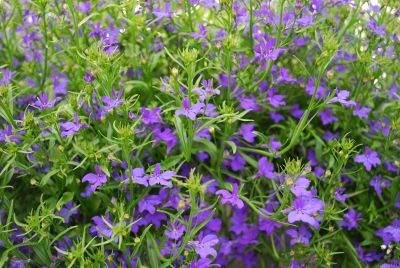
(162,178)
(68,210)
(265,168)
(150,117)
(265,49)
(304,210)
(232,198)
(339,195)
(7,135)
(69,128)
(247,132)
(88,78)
(350,219)
(190,111)
(204,247)
(101,226)
(166,136)
(390,233)
(375,28)
(327,116)
(378,183)
(149,203)
(369,159)
(275,100)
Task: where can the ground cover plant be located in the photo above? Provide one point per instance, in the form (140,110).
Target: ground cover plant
(199,133)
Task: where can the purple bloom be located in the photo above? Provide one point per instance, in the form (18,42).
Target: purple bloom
(247,132)
(375,28)
(275,100)
(88,78)
(138,176)
(166,136)
(304,210)
(249,103)
(327,117)
(361,112)
(149,203)
(69,128)
(7,135)
(112,103)
(265,168)
(176,230)
(201,34)
(300,187)
(205,246)
(339,195)
(190,111)
(301,235)
(265,49)
(208,90)
(378,183)
(237,162)
(232,198)
(95,180)
(43,103)
(342,96)
(162,178)
(350,219)
(85,7)
(6,77)
(102,226)
(369,159)
(68,210)
(150,117)
(285,77)
(310,87)
(390,233)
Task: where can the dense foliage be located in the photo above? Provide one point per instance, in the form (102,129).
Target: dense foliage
(198,133)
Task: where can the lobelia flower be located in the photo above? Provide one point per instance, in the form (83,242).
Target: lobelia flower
(302,235)
(237,162)
(149,203)
(138,176)
(6,76)
(341,97)
(361,112)
(204,247)
(60,83)
(95,180)
(208,90)
(350,219)
(265,168)
(247,132)
(375,28)
(275,100)
(162,178)
(378,183)
(300,187)
(7,135)
(200,263)
(304,209)
(369,159)
(88,78)
(310,87)
(383,125)
(85,7)
(390,233)
(232,198)
(69,128)
(176,230)
(190,111)
(166,136)
(101,226)
(112,103)
(150,117)
(249,103)
(42,102)
(201,34)
(327,116)
(284,76)
(339,196)
(266,50)
(68,210)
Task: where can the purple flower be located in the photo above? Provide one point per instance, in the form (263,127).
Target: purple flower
(43,103)
(69,128)
(88,78)
(6,77)
(205,246)
(301,235)
(68,210)
(375,28)
(237,162)
(350,219)
(285,77)
(102,226)
(190,111)
(149,203)
(247,132)
(300,187)
(232,198)
(138,176)
(150,117)
(166,136)
(95,180)
(7,135)
(342,96)
(310,87)
(327,117)
(304,209)
(249,103)
(176,230)
(390,233)
(275,100)
(265,49)
(378,183)
(162,178)
(208,90)
(339,195)
(369,159)
(265,168)
(112,103)
(361,112)
(85,7)
(201,34)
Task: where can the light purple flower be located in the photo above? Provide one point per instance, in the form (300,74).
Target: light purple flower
(6,76)
(327,116)
(149,203)
(232,198)
(95,180)
(369,159)
(162,178)
(112,103)
(304,209)
(300,187)
(361,112)
(301,235)
(247,132)
(205,246)
(350,219)
(175,231)
(190,111)
(69,128)
(378,183)
(265,168)
(43,103)
(342,96)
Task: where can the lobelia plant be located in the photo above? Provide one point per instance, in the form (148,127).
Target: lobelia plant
(199,133)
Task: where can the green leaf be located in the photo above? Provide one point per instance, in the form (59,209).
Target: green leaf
(47,177)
